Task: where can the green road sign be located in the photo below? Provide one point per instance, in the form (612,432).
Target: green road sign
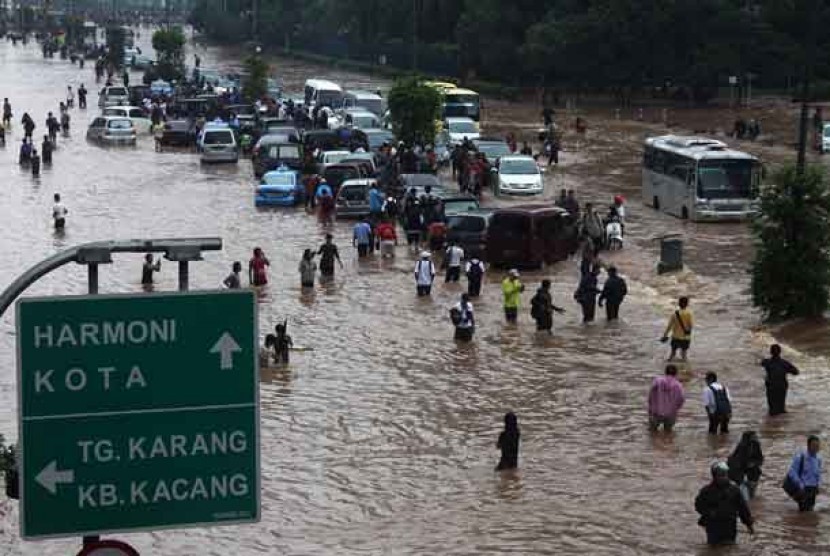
(137,412)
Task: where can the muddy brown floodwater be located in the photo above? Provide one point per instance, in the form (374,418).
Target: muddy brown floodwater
(381,440)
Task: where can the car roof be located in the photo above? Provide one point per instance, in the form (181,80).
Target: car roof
(516,157)
(458,119)
(338,152)
(365,95)
(525,209)
(485,214)
(323,84)
(116,118)
(358,181)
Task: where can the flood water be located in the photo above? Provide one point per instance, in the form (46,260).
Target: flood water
(381,439)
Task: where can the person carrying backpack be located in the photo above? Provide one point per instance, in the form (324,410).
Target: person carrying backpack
(679,329)
(718,404)
(804,477)
(462,317)
(475,273)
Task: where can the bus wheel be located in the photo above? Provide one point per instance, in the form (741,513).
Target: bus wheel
(656,202)
(684,214)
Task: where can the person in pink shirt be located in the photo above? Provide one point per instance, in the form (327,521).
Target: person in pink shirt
(665,400)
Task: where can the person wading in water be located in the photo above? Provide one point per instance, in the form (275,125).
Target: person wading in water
(508,443)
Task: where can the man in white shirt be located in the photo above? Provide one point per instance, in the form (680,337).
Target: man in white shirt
(59,213)
(452,259)
(463,318)
(424,274)
(718,404)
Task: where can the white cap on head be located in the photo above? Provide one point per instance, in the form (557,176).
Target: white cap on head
(425,254)
(514,272)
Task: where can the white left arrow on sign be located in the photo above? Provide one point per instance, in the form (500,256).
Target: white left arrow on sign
(225,346)
(49,477)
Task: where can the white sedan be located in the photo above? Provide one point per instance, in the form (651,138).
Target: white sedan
(518,175)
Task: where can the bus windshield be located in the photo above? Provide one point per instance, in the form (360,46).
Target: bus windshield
(725,179)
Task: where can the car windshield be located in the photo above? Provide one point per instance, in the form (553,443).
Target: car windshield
(354,193)
(334,158)
(460,205)
(373,106)
(725,179)
(494,150)
(462,127)
(364,121)
(465,224)
(218,137)
(114,112)
(378,139)
(283,151)
(279,178)
(522,166)
(460,98)
(329,98)
(117,92)
(827,131)
(120,124)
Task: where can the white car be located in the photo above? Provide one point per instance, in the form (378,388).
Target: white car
(459,129)
(111,130)
(114,95)
(140,120)
(519,175)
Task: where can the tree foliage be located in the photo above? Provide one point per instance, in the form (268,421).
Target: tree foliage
(414,109)
(791,270)
(169,46)
(693,45)
(255,82)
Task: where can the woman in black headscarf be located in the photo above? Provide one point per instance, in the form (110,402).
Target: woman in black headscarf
(745,463)
(509,443)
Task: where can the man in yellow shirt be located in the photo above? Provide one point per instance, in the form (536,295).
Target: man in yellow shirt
(679,329)
(512,288)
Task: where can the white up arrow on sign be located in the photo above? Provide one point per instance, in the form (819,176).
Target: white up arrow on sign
(225,346)
(49,477)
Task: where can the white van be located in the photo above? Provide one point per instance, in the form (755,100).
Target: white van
(218,144)
(319,92)
(363,99)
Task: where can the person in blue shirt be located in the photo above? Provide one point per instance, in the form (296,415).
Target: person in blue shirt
(362,238)
(805,473)
(323,188)
(375,203)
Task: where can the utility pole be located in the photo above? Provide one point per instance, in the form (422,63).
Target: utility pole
(809,48)
(414,36)
(254,17)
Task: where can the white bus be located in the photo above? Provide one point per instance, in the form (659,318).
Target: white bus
(700,179)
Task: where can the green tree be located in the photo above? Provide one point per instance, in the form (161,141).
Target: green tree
(169,47)
(791,270)
(115,47)
(255,83)
(414,108)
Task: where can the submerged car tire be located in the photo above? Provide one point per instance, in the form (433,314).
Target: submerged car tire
(656,202)
(684,214)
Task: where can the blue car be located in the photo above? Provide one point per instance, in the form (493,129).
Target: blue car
(161,87)
(281,187)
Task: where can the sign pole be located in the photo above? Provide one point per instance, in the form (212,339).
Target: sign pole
(184,276)
(92,288)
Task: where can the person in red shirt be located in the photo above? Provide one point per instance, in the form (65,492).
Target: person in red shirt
(257,274)
(387,238)
(437,233)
